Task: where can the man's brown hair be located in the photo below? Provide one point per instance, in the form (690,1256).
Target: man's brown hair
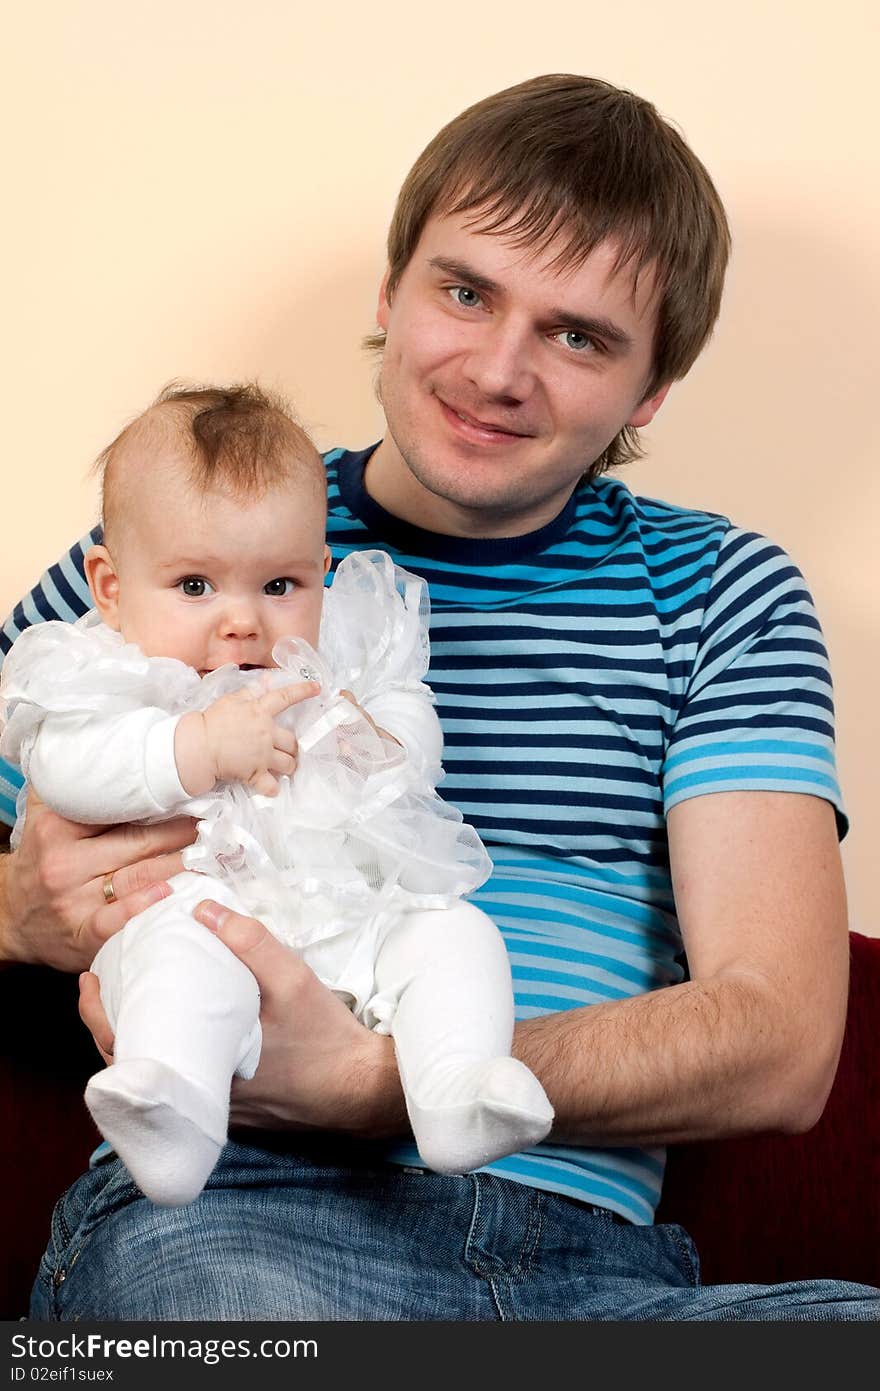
(570,156)
(240,438)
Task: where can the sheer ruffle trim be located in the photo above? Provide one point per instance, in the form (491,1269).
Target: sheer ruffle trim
(358,833)
(81,668)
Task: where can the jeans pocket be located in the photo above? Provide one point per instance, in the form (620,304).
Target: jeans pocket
(76,1214)
(684,1252)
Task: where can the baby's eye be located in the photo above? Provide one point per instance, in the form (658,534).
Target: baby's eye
(279,588)
(465,296)
(194,586)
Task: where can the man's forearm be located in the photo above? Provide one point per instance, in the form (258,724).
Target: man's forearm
(694,1061)
(5,946)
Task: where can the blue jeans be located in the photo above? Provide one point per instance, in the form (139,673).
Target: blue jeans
(301,1235)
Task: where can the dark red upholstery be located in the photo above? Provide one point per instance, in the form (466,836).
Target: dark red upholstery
(47,1134)
(790,1207)
(765,1208)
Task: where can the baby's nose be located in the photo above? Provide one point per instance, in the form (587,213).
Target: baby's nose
(240,620)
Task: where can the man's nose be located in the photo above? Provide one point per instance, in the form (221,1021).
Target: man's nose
(500,363)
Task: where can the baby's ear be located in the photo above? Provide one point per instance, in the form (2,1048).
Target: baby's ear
(104,584)
(328,559)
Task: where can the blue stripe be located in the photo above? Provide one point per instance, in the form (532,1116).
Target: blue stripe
(746,775)
(750,746)
(632,651)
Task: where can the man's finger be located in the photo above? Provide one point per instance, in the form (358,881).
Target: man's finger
(131,878)
(109,920)
(251,942)
(92,1014)
(128,845)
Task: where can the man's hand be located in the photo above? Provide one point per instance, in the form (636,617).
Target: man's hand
(52,905)
(238,739)
(319,1069)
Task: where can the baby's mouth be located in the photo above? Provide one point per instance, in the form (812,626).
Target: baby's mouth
(242,666)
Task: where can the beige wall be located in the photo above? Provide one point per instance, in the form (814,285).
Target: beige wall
(201,188)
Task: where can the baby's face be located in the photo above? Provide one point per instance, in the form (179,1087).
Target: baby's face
(209,578)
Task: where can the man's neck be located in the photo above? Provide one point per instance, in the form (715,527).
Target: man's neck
(390,483)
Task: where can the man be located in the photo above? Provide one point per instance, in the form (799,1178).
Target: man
(637,716)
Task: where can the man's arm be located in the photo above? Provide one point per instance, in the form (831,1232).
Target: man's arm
(751,1041)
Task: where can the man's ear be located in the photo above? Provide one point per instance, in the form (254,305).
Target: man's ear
(644,413)
(384,303)
(104,584)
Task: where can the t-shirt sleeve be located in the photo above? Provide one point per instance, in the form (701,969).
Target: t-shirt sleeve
(61,593)
(758,710)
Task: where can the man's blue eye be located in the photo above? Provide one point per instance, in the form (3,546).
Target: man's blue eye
(193,586)
(277,589)
(578,342)
(465,296)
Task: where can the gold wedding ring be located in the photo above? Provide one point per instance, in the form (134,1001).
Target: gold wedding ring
(109,891)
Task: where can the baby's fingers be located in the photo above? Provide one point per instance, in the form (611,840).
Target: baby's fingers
(282,764)
(284,740)
(273,702)
(265,784)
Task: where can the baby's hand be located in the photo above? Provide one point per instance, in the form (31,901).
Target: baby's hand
(238,739)
(347,695)
(245,742)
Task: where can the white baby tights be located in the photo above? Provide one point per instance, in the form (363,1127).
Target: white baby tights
(185,1013)
(469,1102)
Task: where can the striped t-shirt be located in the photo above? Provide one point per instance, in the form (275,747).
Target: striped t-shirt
(588,676)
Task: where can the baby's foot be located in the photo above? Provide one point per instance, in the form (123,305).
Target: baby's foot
(477,1114)
(167,1130)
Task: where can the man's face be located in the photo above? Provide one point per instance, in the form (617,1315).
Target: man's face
(210,578)
(503,378)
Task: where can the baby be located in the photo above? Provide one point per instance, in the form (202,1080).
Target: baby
(217,677)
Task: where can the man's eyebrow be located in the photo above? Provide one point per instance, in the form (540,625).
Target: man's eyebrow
(593,326)
(460,270)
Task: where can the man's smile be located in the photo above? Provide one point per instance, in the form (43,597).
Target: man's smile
(479,429)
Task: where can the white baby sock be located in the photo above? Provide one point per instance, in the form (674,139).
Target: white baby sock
(167,1131)
(186,1017)
(467,1116)
(444,977)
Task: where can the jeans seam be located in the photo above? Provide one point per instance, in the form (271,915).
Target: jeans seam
(533,1235)
(686,1252)
(62,1255)
(471,1256)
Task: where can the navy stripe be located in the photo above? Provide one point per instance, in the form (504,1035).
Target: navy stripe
(628,655)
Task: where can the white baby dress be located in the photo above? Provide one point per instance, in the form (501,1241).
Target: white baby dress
(354,838)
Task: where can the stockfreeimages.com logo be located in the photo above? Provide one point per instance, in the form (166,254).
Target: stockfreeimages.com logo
(95,1345)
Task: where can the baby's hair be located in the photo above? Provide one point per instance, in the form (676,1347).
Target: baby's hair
(240,439)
